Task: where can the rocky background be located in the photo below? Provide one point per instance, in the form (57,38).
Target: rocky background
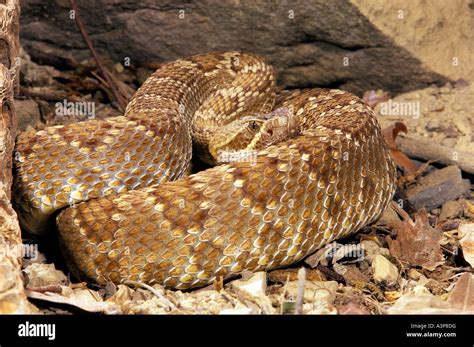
(311,43)
(438,33)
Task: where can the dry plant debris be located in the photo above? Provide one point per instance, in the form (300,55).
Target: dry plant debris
(417,243)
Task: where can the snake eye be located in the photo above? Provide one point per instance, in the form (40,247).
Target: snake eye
(254,125)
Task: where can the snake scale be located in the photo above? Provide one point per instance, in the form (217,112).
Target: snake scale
(127,211)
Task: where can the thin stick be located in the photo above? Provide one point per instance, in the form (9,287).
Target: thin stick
(427,150)
(282,297)
(100,79)
(300,293)
(402,213)
(52,288)
(105,73)
(44,95)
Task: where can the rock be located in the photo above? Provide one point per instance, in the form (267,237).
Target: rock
(309,43)
(207,302)
(451,209)
(29,128)
(438,187)
(144,307)
(464,143)
(118,67)
(319,309)
(423,29)
(255,286)
(206,294)
(41,275)
(463,124)
(433,125)
(384,270)
(314,292)
(388,217)
(318,297)
(37,75)
(372,249)
(188,303)
(28,113)
(447,89)
(414,274)
(438,105)
(468,208)
(449,142)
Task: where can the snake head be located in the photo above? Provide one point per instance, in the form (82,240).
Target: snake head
(234,137)
(244,136)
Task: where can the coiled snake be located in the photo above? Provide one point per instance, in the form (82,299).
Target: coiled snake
(314,170)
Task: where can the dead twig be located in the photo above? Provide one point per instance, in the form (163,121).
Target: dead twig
(427,150)
(411,177)
(100,79)
(43,95)
(283,294)
(53,288)
(300,293)
(402,213)
(105,73)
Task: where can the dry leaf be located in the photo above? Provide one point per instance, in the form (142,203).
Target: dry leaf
(351,273)
(320,256)
(462,296)
(392,295)
(390,134)
(334,252)
(254,289)
(417,243)
(84,299)
(420,301)
(43,275)
(123,293)
(467,242)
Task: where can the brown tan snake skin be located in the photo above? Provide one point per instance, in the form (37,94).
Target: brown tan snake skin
(324,177)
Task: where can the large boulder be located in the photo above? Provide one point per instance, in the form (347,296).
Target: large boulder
(311,43)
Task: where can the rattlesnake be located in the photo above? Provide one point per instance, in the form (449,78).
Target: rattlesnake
(317,172)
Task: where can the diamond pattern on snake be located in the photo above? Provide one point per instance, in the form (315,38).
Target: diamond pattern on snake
(293,172)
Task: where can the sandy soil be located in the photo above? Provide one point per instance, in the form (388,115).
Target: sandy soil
(436,32)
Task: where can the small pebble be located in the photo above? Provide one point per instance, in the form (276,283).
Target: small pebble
(384,270)
(451,209)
